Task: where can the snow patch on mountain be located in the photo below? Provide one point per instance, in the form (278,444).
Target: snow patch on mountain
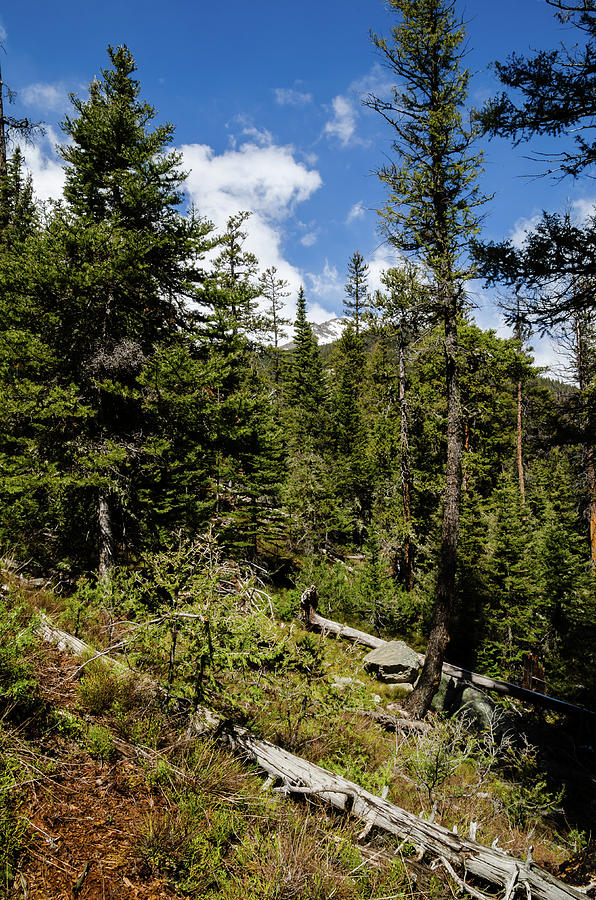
(325,332)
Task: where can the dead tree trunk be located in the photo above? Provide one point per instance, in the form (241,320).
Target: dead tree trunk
(490,864)
(106,535)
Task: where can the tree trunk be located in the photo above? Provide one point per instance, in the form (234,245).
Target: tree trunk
(591,473)
(420,699)
(3,160)
(106,536)
(520,461)
(406,478)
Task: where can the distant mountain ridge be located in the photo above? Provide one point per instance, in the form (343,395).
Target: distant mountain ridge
(325,332)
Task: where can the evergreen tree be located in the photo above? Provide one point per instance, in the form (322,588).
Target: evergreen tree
(431,212)
(304,380)
(10,126)
(405,311)
(557,89)
(356,301)
(348,433)
(274,290)
(119,261)
(235,271)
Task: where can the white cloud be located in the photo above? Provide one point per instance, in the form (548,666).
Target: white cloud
(292,97)
(375,82)
(584,209)
(346,106)
(268,181)
(357,212)
(343,124)
(326,285)
(309,239)
(45,96)
(3,34)
(45,166)
(521,229)
(262,136)
(382,258)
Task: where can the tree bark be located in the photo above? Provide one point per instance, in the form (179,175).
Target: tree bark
(106,535)
(420,699)
(591,473)
(406,478)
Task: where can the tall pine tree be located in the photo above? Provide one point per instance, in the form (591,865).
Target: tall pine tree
(120,260)
(431,213)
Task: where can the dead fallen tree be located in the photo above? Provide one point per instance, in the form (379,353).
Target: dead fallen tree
(312,618)
(492,865)
(459,857)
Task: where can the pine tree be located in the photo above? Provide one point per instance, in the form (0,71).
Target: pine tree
(235,271)
(274,290)
(11,125)
(348,432)
(405,311)
(119,261)
(356,301)
(304,380)
(557,89)
(431,212)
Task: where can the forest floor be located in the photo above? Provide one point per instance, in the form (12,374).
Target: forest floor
(86,814)
(112,800)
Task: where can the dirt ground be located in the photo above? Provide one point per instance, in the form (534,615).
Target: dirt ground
(85,815)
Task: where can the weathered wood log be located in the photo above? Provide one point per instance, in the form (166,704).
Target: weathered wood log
(320,623)
(308,605)
(298,776)
(490,864)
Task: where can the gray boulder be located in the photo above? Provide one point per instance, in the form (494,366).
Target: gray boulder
(454,697)
(394,663)
(477,706)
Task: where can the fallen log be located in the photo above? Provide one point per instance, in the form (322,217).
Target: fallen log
(490,864)
(300,777)
(505,688)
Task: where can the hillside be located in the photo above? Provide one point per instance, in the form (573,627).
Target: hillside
(107,794)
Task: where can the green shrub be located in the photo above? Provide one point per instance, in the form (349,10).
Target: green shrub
(98,688)
(99,743)
(19,694)
(13,827)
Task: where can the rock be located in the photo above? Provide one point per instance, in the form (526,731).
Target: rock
(394,662)
(454,697)
(448,696)
(477,706)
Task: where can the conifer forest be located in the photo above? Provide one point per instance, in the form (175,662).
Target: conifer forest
(183,468)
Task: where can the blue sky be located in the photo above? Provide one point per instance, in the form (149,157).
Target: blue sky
(265,98)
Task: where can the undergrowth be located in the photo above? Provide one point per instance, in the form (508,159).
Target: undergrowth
(206,631)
